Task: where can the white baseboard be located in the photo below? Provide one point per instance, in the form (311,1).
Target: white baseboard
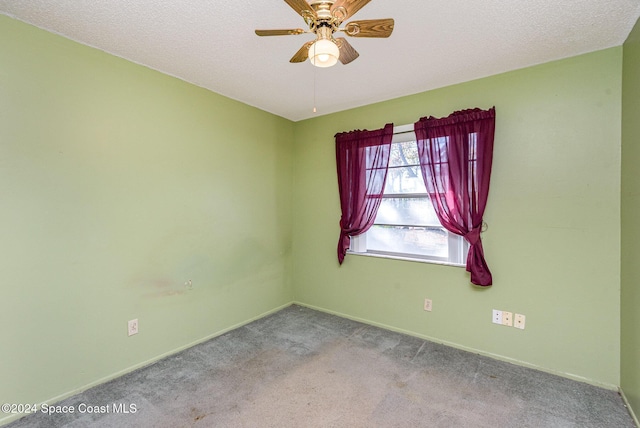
(629,408)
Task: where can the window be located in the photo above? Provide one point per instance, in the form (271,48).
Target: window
(406,225)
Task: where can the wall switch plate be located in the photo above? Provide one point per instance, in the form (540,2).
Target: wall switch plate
(132,327)
(518,321)
(507,318)
(497,317)
(428,305)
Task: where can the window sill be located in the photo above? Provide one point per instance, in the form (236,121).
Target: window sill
(406,258)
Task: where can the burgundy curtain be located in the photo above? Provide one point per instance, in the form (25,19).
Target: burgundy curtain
(455,157)
(362,159)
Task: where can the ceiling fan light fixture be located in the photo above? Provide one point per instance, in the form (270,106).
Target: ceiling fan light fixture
(324,53)
(324,19)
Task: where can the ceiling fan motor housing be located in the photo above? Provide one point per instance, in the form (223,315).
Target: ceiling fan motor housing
(323,18)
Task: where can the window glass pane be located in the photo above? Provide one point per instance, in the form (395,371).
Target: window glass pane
(406,224)
(374,179)
(375,169)
(403,154)
(407,211)
(406,179)
(473,145)
(473,162)
(421,241)
(374,157)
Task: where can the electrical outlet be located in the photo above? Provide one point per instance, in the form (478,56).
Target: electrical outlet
(497,317)
(132,327)
(428,305)
(507,318)
(518,321)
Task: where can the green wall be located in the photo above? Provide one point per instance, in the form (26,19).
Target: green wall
(630,290)
(553,213)
(118,184)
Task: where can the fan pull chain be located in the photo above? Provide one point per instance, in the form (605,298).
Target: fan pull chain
(314,90)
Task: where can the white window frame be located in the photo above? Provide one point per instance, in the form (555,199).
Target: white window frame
(457,245)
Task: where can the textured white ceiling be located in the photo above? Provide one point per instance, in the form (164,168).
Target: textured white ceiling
(435,43)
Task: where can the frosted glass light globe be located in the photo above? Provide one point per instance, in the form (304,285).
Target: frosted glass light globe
(324,53)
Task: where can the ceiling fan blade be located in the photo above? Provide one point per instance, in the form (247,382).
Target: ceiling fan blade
(290,32)
(347,52)
(301,7)
(370,28)
(303,54)
(344,9)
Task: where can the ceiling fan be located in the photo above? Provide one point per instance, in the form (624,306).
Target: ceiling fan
(324,18)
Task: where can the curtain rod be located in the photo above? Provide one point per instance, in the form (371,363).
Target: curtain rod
(403,129)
